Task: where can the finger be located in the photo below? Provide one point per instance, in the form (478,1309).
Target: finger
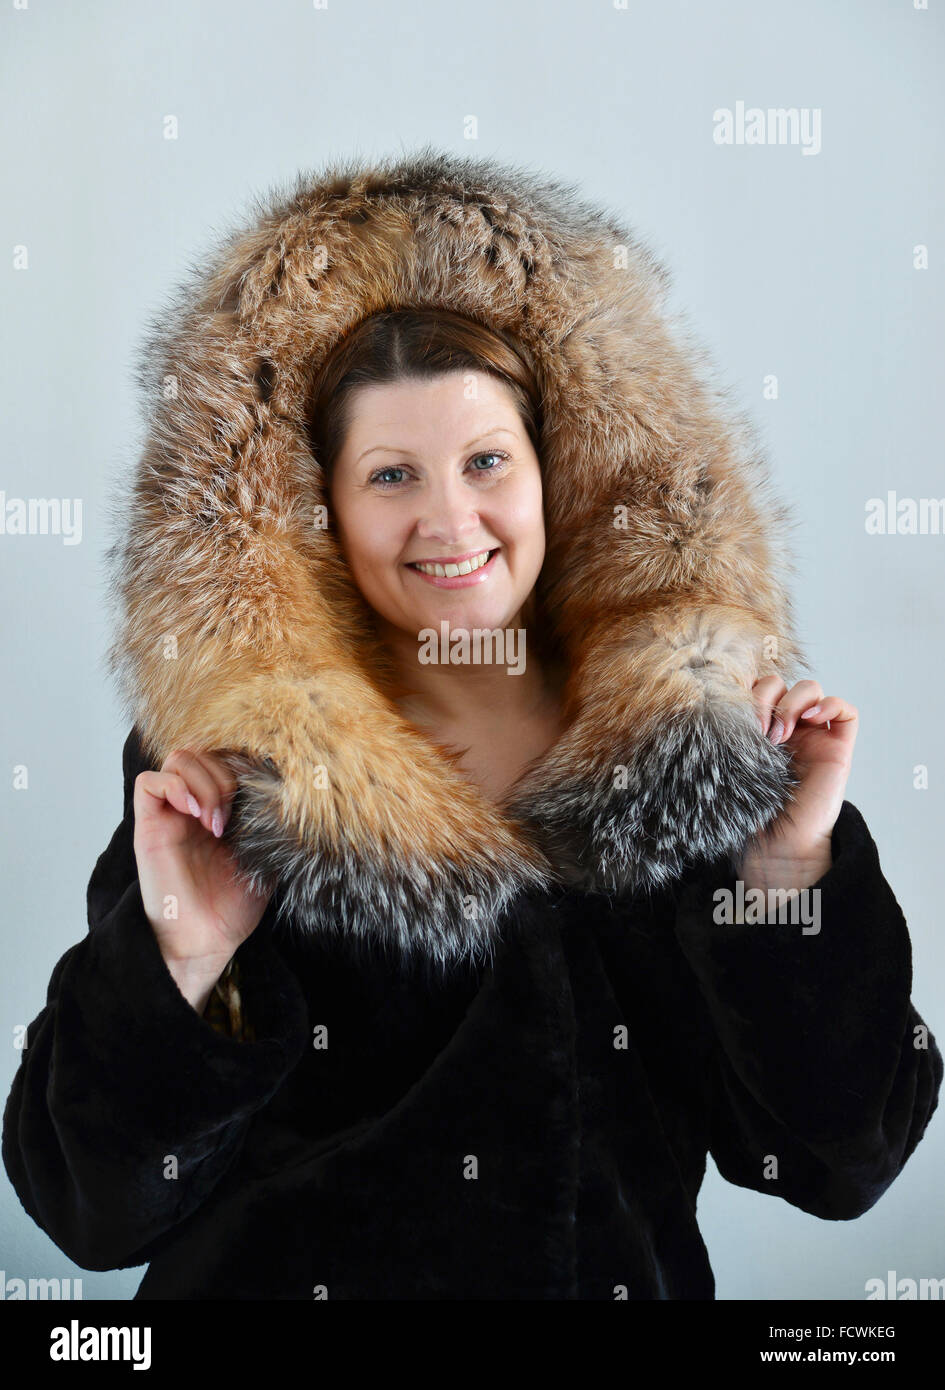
(225,780)
(831,710)
(212,794)
(766,692)
(168,788)
(789,708)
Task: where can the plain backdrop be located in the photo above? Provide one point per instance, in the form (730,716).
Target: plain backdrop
(798,266)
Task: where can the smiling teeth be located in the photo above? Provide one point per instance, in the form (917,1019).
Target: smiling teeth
(451,571)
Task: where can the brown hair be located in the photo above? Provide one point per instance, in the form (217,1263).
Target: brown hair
(399,344)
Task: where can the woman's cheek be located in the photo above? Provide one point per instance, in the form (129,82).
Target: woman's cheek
(514,516)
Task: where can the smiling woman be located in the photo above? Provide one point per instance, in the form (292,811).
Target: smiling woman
(467,1046)
(425,427)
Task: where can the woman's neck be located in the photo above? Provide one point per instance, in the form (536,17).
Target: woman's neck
(479,688)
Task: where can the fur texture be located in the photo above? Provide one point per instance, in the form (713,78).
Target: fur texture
(239,630)
(343,1170)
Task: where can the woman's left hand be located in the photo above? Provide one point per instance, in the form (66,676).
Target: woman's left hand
(821,731)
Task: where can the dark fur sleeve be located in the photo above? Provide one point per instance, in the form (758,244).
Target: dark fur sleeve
(121,1077)
(823,1063)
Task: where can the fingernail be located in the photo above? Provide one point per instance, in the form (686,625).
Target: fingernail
(193,805)
(776,730)
(814,709)
(216,823)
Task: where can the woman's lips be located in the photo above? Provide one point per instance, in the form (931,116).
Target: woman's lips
(457,581)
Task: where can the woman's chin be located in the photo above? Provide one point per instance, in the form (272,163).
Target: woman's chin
(461,617)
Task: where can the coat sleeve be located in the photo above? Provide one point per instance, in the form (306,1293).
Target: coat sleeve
(823,1064)
(128,1107)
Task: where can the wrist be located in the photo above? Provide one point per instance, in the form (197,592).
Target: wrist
(788,867)
(196,977)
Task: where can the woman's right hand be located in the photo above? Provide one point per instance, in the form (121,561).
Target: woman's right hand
(185,868)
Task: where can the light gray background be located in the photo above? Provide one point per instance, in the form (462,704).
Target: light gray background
(784,263)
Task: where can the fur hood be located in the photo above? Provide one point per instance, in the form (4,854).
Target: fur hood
(238,629)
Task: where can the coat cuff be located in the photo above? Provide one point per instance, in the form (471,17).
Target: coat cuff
(813,1024)
(172,1073)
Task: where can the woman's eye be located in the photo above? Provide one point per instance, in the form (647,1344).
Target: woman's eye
(490,455)
(379,476)
(383,479)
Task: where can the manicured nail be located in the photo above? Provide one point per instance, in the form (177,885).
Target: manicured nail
(776,730)
(814,709)
(216,823)
(193,805)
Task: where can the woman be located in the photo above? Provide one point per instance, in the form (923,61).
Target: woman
(377,1002)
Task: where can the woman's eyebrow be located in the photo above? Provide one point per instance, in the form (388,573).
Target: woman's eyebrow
(394,449)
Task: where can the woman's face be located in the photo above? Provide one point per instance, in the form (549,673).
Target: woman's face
(440,470)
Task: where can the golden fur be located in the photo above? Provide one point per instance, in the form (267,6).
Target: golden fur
(239,630)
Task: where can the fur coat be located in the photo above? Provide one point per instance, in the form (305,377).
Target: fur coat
(395,1099)
(240,630)
(533,1129)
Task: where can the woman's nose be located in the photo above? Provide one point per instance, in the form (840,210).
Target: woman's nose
(447,514)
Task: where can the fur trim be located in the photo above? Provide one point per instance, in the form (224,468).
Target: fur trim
(240,630)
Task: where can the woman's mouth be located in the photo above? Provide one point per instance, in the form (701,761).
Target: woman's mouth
(456,574)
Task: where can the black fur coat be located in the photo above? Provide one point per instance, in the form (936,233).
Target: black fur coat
(417,1101)
(536,1129)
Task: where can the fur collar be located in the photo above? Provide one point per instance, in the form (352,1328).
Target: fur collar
(239,629)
